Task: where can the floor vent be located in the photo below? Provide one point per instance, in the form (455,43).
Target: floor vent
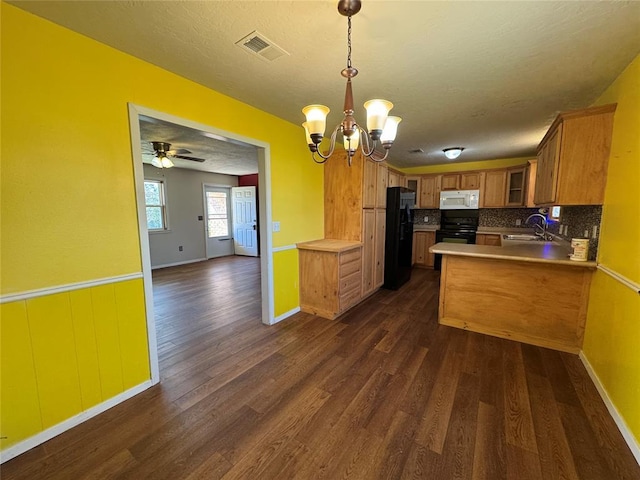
(257,44)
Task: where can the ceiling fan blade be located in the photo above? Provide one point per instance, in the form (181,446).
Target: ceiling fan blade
(178,151)
(189,158)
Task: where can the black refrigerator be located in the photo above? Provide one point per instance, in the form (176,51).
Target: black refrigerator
(399,237)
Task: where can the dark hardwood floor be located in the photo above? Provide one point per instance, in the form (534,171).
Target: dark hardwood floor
(382,392)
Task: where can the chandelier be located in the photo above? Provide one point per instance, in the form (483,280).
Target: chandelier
(380,126)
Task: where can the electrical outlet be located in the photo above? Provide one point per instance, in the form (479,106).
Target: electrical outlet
(518,222)
(595,232)
(426,219)
(586,234)
(180,248)
(276,226)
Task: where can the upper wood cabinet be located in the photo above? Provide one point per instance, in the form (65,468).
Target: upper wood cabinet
(370,184)
(344,195)
(532,170)
(395,179)
(493,188)
(516,187)
(381,184)
(470,181)
(430,186)
(573,158)
(413,183)
(451,181)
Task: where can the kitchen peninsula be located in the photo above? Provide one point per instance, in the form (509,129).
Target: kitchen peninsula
(529,293)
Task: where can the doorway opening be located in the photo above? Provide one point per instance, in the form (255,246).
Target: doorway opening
(263,221)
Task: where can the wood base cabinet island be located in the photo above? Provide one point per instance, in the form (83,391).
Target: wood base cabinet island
(531,294)
(330,276)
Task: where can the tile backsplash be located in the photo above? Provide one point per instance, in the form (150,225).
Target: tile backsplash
(578,219)
(433,216)
(505,217)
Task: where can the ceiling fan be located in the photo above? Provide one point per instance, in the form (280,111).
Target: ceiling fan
(162,152)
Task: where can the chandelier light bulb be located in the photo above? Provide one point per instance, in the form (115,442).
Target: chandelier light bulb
(377,111)
(351,143)
(390,130)
(316,120)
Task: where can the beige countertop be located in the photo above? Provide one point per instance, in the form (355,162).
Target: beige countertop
(425,228)
(327,245)
(553,254)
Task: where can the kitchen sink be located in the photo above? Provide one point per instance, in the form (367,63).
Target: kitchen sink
(524,239)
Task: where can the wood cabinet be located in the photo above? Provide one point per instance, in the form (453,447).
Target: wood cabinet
(378,245)
(532,169)
(330,276)
(516,187)
(451,181)
(413,183)
(470,181)
(395,179)
(493,185)
(422,241)
(381,184)
(355,200)
(430,187)
(488,239)
(573,158)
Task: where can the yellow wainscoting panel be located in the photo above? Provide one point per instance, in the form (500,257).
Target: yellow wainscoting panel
(19,405)
(108,339)
(67,352)
(86,347)
(133,333)
(54,355)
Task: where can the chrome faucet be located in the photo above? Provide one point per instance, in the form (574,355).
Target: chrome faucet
(543,227)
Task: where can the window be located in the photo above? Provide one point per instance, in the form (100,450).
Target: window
(154,200)
(217,214)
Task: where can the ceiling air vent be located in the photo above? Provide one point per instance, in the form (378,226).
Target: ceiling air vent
(416,150)
(257,44)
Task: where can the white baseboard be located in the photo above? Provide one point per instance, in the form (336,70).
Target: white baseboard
(175,264)
(279,318)
(68,424)
(613,411)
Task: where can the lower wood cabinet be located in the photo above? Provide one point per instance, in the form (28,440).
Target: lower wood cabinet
(421,243)
(488,239)
(330,276)
(373,238)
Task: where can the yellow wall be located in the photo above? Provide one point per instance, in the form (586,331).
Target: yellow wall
(68,210)
(466,166)
(612,336)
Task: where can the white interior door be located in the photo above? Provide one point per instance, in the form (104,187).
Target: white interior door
(218,225)
(245,225)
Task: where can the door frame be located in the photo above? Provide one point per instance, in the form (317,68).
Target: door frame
(205,222)
(264,196)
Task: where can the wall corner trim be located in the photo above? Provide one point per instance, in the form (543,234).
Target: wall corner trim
(285,315)
(628,436)
(68,424)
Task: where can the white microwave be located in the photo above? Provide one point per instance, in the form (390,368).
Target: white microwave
(459,199)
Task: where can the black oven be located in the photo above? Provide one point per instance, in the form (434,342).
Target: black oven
(456,226)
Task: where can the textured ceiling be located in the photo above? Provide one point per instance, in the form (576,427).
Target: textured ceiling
(487,76)
(221,155)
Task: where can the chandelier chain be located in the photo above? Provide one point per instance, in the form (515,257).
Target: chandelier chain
(349,42)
